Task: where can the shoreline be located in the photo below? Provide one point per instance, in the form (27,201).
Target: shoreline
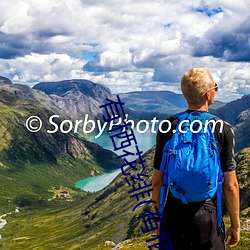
(97,182)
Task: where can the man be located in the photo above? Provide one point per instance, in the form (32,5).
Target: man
(194,225)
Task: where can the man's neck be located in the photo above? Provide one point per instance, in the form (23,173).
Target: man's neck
(198,107)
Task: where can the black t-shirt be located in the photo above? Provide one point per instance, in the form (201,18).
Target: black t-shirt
(224,137)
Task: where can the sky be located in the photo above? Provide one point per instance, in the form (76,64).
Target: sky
(127,45)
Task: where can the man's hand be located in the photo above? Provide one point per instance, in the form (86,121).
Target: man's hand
(156,184)
(233,237)
(232,200)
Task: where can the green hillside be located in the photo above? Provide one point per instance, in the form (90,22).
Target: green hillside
(87,222)
(80,224)
(243,175)
(31,164)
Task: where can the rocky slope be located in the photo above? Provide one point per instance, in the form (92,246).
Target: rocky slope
(232,110)
(76,97)
(4,80)
(237,114)
(242,130)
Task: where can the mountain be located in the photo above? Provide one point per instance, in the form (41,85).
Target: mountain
(232,110)
(216,105)
(237,114)
(161,99)
(31,164)
(149,104)
(76,97)
(242,130)
(4,80)
(159,104)
(80,97)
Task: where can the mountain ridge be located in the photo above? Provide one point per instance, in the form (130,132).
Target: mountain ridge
(237,113)
(230,111)
(4,80)
(77,97)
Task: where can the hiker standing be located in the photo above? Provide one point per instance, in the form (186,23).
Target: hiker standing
(192,169)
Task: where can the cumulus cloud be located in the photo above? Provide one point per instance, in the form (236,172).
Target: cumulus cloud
(34,68)
(139,45)
(231,45)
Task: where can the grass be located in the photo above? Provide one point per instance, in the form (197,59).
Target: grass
(57,225)
(54,225)
(244,243)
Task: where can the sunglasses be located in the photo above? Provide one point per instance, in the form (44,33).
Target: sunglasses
(216,87)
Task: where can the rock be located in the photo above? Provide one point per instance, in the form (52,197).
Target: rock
(245,225)
(2,223)
(119,245)
(109,243)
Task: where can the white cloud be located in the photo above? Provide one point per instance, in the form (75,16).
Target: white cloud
(34,68)
(117,81)
(140,44)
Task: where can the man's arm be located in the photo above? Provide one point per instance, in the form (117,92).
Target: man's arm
(231,195)
(157,174)
(156,184)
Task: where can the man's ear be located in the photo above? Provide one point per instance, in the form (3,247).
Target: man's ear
(207,95)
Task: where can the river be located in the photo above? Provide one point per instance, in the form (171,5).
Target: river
(144,140)
(3,222)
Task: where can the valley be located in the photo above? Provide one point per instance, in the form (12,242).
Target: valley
(38,171)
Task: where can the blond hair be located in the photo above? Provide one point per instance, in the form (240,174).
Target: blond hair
(195,83)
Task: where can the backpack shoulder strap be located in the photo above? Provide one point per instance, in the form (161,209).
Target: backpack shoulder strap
(182,115)
(208,116)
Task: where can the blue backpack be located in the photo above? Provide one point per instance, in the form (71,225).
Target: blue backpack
(191,162)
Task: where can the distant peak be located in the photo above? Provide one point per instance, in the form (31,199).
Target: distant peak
(66,87)
(4,80)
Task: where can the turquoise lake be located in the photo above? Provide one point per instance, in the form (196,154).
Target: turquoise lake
(144,141)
